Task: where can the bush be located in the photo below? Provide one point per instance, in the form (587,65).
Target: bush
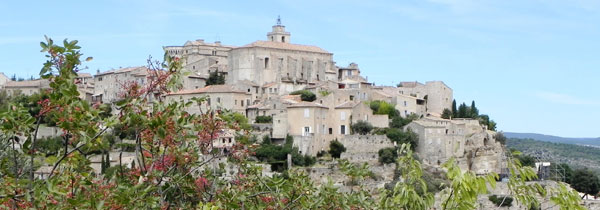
(447,114)
(361,127)
(501,201)
(305,95)
(264,119)
(336,149)
(585,181)
(215,78)
(384,108)
(401,137)
(388,155)
(500,138)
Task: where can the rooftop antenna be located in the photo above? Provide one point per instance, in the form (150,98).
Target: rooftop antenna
(278,20)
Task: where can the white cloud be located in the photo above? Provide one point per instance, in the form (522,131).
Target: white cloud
(560,98)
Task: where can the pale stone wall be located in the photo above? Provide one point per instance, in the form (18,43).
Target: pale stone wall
(3,80)
(110,84)
(314,118)
(234,101)
(365,143)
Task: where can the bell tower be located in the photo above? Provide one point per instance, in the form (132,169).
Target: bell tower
(279,34)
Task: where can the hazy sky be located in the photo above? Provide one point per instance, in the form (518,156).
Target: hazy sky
(533,66)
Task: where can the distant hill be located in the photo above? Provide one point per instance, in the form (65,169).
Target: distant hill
(554,139)
(575,155)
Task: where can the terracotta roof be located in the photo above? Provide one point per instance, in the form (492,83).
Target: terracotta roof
(210,89)
(347,104)
(285,46)
(269,84)
(306,104)
(248,82)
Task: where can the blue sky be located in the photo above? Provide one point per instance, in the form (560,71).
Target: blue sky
(533,66)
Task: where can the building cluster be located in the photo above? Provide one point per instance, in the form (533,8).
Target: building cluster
(259,80)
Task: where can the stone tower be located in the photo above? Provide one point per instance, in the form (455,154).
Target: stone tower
(279,34)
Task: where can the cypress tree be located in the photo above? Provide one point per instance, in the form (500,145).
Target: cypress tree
(474,112)
(454,111)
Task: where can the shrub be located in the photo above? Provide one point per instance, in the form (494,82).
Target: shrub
(402,137)
(501,201)
(336,149)
(447,114)
(215,78)
(305,95)
(361,127)
(388,155)
(264,119)
(500,138)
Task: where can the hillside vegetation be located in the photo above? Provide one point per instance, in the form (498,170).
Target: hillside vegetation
(575,155)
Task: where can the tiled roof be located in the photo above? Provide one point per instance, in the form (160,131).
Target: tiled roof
(307,104)
(286,46)
(347,104)
(211,89)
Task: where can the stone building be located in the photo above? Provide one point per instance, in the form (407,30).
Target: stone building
(26,87)
(3,80)
(470,143)
(218,97)
(109,85)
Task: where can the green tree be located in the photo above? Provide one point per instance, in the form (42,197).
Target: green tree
(463,111)
(361,127)
(447,114)
(454,110)
(500,138)
(403,137)
(474,112)
(305,95)
(336,149)
(585,181)
(215,78)
(387,155)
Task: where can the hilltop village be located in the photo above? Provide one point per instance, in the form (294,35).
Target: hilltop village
(288,89)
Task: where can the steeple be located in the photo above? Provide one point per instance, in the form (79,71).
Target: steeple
(278,34)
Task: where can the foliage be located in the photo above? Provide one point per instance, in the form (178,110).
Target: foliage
(264,119)
(577,156)
(447,114)
(276,155)
(361,127)
(527,160)
(585,181)
(383,108)
(336,149)
(501,201)
(324,93)
(305,95)
(464,187)
(400,122)
(387,155)
(405,194)
(403,137)
(500,138)
(235,120)
(215,78)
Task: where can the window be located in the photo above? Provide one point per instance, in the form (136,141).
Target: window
(242,101)
(229,140)
(99,78)
(283,39)
(342,129)
(266,63)
(248,90)
(306,131)
(352,98)
(342,115)
(214,52)
(274,106)
(218,100)
(193,67)
(235,102)
(405,103)
(306,113)
(208,101)
(349,73)
(330,130)
(247,102)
